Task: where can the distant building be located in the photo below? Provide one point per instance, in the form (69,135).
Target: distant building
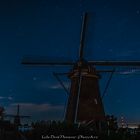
(133,125)
(129,125)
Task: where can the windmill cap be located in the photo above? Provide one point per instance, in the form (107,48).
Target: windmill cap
(83,65)
(85,68)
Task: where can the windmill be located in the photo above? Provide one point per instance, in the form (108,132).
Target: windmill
(84,102)
(17,117)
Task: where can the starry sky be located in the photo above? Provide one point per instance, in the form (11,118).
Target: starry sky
(50,29)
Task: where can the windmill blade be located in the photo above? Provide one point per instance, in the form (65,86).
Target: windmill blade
(66,73)
(12,116)
(18,107)
(108,83)
(115,63)
(104,71)
(9,115)
(83,32)
(82,40)
(25,116)
(78,94)
(41,63)
(60,81)
(46,61)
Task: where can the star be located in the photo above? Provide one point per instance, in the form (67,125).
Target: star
(34,78)
(110,50)
(138,12)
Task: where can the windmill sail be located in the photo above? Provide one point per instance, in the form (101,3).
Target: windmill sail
(84,103)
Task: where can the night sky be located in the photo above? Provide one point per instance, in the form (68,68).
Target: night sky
(50,29)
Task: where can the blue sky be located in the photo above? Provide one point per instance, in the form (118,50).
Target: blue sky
(51,29)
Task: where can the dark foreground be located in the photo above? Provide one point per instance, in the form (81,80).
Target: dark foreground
(61,130)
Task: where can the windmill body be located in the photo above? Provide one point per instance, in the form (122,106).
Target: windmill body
(90,107)
(17,117)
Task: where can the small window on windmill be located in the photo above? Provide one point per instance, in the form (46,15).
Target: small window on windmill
(95,100)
